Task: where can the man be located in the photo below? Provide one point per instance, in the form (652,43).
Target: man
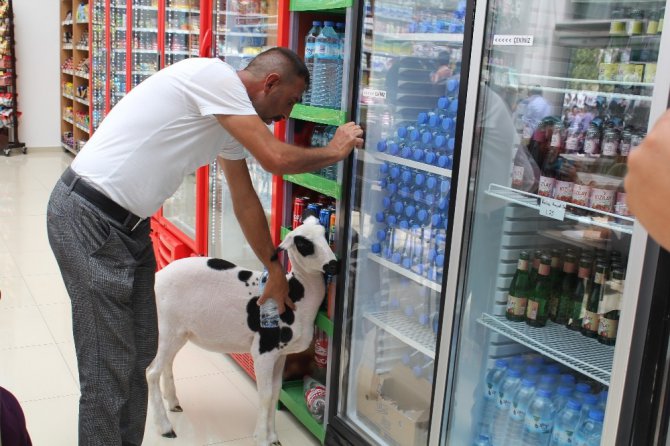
(537,107)
(174,122)
(648,184)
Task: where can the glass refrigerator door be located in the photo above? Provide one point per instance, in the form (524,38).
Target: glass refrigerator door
(410,74)
(564,96)
(145,57)
(118,25)
(241,30)
(182,30)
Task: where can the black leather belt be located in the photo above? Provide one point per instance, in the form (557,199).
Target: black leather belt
(113,210)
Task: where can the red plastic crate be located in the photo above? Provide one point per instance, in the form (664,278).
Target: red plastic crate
(246,362)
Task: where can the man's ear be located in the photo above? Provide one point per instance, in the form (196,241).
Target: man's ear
(272,81)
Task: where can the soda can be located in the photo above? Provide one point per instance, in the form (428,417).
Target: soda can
(332,229)
(324,219)
(312,209)
(298,209)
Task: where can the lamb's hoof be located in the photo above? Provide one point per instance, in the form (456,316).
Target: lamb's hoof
(176,409)
(276,443)
(170,434)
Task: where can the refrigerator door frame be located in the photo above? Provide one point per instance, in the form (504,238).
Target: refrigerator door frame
(639,281)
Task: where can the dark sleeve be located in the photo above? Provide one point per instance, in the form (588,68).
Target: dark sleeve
(13,430)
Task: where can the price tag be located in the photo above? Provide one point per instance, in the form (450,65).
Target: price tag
(553,208)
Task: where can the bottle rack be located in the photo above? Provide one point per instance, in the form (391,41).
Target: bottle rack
(9,113)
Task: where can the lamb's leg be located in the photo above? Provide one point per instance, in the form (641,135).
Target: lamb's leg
(277,375)
(264,367)
(162,363)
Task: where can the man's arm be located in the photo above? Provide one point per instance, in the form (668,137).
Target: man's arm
(648,183)
(251,216)
(280,158)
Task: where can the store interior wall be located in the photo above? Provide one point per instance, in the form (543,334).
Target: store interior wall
(37,34)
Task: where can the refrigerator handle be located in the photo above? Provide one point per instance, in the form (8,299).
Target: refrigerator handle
(206,43)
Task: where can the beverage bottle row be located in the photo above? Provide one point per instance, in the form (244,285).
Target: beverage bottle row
(584,295)
(324,54)
(321,137)
(422,365)
(420,306)
(529,401)
(431,138)
(322,208)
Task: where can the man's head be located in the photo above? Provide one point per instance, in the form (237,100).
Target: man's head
(275,81)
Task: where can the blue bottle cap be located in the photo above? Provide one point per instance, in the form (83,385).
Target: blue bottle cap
(384,168)
(443,203)
(395,258)
(432,253)
(590,398)
(567,378)
(381,146)
(391,220)
(447,124)
(532,370)
(439,259)
(514,373)
(418,268)
(452,85)
(386,202)
(429,199)
(451,144)
(443,161)
(429,157)
(407,263)
(383,183)
(442,103)
(402,132)
(583,388)
(426,137)
(596,415)
(445,187)
(379,216)
(501,363)
(417,154)
(453,106)
(316,23)
(422,118)
(422,215)
(419,179)
(424,319)
(329,23)
(376,248)
(434,121)
(406,152)
(381,235)
(404,192)
(394,172)
(552,369)
(603,395)
(528,382)
(339,25)
(418,195)
(544,393)
(574,404)
(393,148)
(548,379)
(564,390)
(435,220)
(406,175)
(392,188)
(440,141)
(431,182)
(409,211)
(398,207)
(414,135)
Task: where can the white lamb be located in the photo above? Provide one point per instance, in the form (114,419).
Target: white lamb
(212,303)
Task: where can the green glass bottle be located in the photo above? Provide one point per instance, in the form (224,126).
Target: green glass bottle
(580,295)
(555,277)
(537,311)
(568,285)
(519,289)
(537,255)
(609,308)
(591,317)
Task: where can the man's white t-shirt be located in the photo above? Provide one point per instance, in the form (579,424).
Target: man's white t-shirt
(162,130)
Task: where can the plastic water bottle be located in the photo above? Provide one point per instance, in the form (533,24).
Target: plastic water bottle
(603,399)
(547,382)
(493,378)
(539,420)
(310,44)
(567,422)
(506,391)
(327,63)
(590,431)
(567,380)
(589,402)
(563,395)
(517,412)
(315,397)
(581,389)
(269,312)
(482,440)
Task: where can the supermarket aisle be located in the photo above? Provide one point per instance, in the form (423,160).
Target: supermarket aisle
(37,358)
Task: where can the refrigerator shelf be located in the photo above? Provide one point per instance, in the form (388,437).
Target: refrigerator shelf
(570,348)
(184,10)
(414,164)
(570,79)
(405,329)
(572,237)
(531,201)
(423,37)
(318,5)
(316,183)
(68,147)
(407,273)
(328,116)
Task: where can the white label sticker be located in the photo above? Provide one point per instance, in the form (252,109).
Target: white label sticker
(371,93)
(512,40)
(553,209)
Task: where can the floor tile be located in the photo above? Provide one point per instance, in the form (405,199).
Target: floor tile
(52,421)
(23,327)
(15,293)
(69,354)
(8,267)
(35,373)
(36,263)
(192,361)
(47,289)
(58,318)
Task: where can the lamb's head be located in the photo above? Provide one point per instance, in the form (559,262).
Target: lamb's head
(308,248)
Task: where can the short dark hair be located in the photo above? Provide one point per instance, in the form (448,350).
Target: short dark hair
(284,59)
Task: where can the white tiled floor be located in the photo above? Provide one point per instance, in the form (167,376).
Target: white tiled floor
(37,358)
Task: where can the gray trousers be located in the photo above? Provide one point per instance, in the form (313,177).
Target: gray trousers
(109,274)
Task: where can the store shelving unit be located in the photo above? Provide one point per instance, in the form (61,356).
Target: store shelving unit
(9,123)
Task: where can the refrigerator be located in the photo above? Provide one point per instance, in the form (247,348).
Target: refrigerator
(434,341)
(241,30)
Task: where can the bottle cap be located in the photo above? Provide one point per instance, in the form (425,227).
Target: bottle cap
(376,248)
(445,187)
(447,124)
(395,258)
(435,220)
(514,373)
(574,404)
(329,23)
(596,415)
(410,210)
(419,179)
(451,144)
(398,207)
(590,398)
(414,135)
(402,132)
(528,382)
(417,154)
(431,182)
(381,146)
(381,235)
(405,152)
(429,199)
(422,118)
(434,121)
(316,23)
(386,202)
(544,393)
(422,215)
(418,195)
(426,137)
(440,141)
(393,148)
(443,103)
(564,391)
(429,157)
(532,370)
(406,176)
(394,172)
(391,220)
(379,216)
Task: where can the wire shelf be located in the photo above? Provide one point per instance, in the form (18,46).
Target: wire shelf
(570,348)
(405,329)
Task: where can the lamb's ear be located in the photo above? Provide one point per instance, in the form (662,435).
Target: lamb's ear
(286,243)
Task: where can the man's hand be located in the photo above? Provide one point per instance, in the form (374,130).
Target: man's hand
(276,288)
(648,184)
(347,137)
